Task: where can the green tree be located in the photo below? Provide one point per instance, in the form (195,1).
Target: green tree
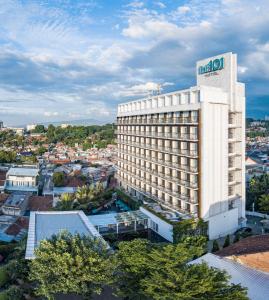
(263,203)
(146,271)
(66,202)
(227,241)
(70,264)
(39,129)
(58,179)
(131,266)
(215,246)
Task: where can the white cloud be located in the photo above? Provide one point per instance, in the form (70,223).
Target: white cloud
(160,4)
(183,9)
(51,113)
(135,4)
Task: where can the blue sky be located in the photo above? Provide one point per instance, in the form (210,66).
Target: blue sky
(77,59)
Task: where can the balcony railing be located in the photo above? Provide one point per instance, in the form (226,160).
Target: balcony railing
(161,135)
(177,196)
(153,121)
(171,164)
(189,184)
(169,150)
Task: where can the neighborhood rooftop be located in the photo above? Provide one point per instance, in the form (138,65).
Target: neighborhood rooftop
(22,172)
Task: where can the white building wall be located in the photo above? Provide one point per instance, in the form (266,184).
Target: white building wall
(223,224)
(214,159)
(164,229)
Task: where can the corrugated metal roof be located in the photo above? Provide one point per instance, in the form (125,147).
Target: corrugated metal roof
(257,282)
(22,172)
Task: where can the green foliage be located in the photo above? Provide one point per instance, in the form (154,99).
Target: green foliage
(227,241)
(39,129)
(215,246)
(14,292)
(66,202)
(70,264)
(263,203)
(7,156)
(87,136)
(3,295)
(258,187)
(4,278)
(41,150)
(146,271)
(58,179)
(6,249)
(190,227)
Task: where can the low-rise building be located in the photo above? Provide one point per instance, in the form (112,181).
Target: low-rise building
(16,204)
(22,179)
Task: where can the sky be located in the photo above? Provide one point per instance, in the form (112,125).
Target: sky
(78,59)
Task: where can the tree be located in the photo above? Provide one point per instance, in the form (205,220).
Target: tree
(146,271)
(215,246)
(58,179)
(131,265)
(263,203)
(39,129)
(66,202)
(70,264)
(227,241)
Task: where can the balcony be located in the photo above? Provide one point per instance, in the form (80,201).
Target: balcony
(162,135)
(156,121)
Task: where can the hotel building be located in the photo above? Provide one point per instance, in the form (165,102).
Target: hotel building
(186,149)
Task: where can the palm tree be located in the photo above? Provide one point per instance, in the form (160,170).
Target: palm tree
(82,194)
(66,202)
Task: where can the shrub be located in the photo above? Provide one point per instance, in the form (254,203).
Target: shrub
(14,292)
(6,249)
(236,238)
(227,241)
(3,295)
(215,246)
(3,276)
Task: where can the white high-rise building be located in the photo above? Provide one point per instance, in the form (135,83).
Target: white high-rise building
(186,149)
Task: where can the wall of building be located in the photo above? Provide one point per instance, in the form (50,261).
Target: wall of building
(214,159)
(223,224)
(164,229)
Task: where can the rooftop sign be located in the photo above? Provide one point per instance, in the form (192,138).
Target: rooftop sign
(212,66)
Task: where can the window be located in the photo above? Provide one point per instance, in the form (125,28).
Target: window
(154,226)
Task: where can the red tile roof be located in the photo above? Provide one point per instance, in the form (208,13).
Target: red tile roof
(40,203)
(15,228)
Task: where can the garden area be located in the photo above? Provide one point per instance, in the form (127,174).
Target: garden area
(94,199)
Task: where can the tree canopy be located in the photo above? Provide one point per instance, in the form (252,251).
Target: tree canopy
(70,264)
(145,271)
(58,179)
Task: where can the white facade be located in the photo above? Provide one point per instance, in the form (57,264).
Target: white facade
(22,179)
(186,149)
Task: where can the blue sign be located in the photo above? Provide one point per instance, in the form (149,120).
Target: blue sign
(212,66)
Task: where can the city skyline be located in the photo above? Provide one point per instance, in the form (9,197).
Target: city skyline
(67,61)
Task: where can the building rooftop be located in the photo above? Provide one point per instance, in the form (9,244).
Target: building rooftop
(43,225)
(16,199)
(252,251)
(257,282)
(31,172)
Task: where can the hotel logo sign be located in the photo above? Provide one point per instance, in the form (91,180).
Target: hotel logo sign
(213,66)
